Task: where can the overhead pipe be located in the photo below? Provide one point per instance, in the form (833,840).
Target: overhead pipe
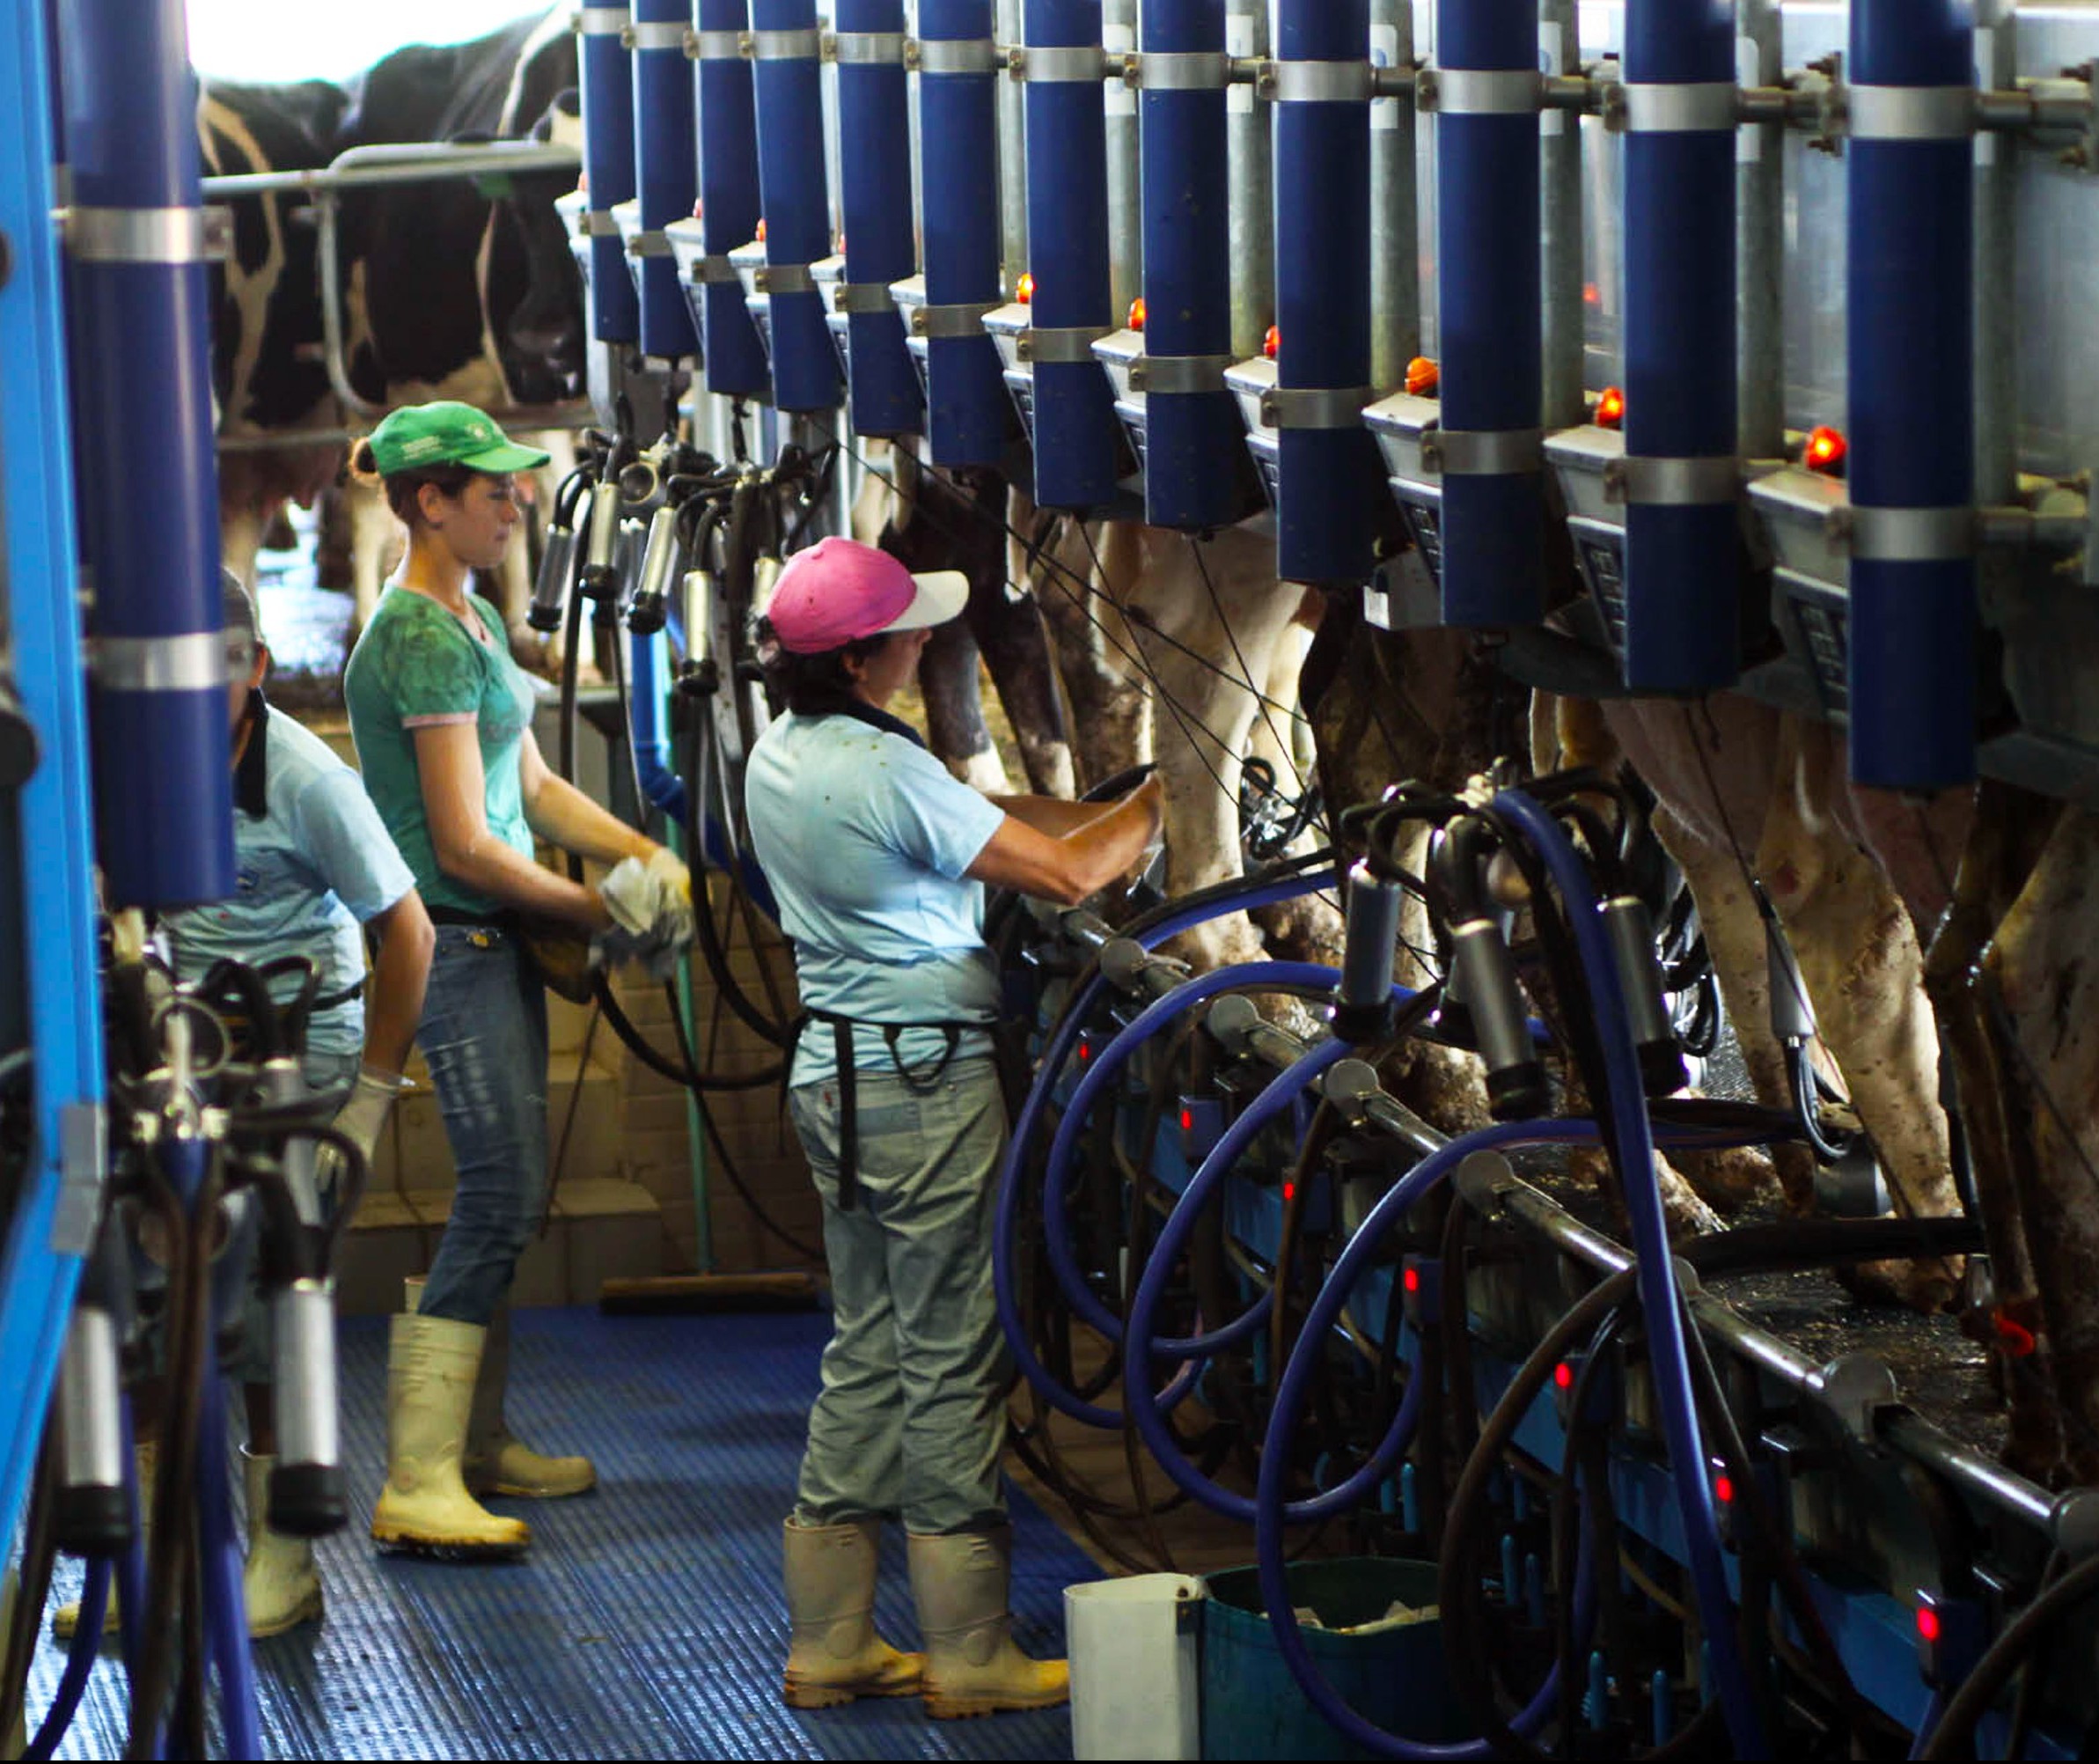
(1328,488)
(874,177)
(137,241)
(957,144)
(788,71)
(1683,557)
(1909,335)
(1488,311)
(1075,428)
(729,211)
(608,169)
(666,171)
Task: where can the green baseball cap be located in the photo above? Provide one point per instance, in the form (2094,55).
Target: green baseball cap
(446,433)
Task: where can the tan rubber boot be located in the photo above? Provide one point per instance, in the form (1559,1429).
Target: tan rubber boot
(495,1462)
(833,1654)
(279,1586)
(960,1583)
(66,1619)
(430,1367)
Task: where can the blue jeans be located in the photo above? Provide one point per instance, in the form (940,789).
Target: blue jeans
(912,1416)
(483,1036)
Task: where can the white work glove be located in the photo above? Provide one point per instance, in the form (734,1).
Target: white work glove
(615,947)
(650,900)
(630,893)
(673,894)
(360,1120)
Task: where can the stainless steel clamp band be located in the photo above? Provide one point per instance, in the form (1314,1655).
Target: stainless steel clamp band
(1059,344)
(1690,482)
(1928,535)
(1663,107)
(1483,453)
(952,55)
(714,268)
(651,242)
(868,48)
(716,46)
(1317,82)
(147,235)
(1481,91)
(783,278)
(1174,374)
(599,223)
(862,297)
(602,21)
(786,45)
(964,319)
(656,33)
(194,662)
(1064,64)
(1910,113)
(1315,407)
(1182,71)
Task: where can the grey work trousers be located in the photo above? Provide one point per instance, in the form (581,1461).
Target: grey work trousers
(911,1418)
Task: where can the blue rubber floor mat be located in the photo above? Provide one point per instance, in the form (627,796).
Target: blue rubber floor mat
(646,1622)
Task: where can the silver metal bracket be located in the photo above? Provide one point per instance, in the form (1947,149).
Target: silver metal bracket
(951,55)
(1055,344)
(865,48)
(1172,374)
(655,33)
(1853,1389)
(172,236)
(653,243)
(1068,64)
(964,319)
(83,1169)
(1651,481)
(783,278)
(1482,452)
(1315,407)
(717,46)
(805,45)
(1480,91)
(862,297)
(1296,82)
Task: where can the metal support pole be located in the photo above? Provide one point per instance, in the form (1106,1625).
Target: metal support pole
(735,356)
(1249,158)
(797,205)
(1761,248)
(1009,27)
(608,169)
(874,127)
(1910,339)
(1560,181)
(1125,229)
(1395,222)
(666,171)
(1996,260)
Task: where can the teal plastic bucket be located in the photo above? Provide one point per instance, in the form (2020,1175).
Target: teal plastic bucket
(1253,1707)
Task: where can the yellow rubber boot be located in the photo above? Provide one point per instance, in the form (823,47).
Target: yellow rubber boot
(279,1584)
(430,1367)
(66,1619)
(833,1654)
(961,1583)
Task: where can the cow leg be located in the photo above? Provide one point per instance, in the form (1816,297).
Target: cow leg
(1307,929)
(1859,959)
(2046,974)
(1016,649)
(1111,713)
(948,679)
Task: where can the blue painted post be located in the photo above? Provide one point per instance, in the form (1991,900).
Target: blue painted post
(1682,553)
(730,347)
(608,170)
(874,161)
(798,203)
(1489,311)
(1193,437)
(666,171)
(1909,328)
(1075,432)
(56,966)
(967,408)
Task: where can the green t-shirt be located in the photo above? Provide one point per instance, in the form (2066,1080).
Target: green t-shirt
(418,666)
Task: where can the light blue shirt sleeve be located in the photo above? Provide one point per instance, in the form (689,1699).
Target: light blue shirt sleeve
(346,841)
(918,809)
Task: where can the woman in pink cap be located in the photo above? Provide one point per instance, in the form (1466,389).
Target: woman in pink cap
(877,857)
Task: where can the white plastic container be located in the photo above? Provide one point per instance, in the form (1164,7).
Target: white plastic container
(1136,1678)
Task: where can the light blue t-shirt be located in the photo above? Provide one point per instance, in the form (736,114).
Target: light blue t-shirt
(864,837)
(313,861)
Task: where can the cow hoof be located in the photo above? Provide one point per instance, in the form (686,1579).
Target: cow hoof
(1733,1180)
(1931,1286)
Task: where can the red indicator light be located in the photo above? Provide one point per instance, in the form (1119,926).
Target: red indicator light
(841,243)
(2015,1337)
(1928,1623)
(1412,1280)
(1563,1376)
(1024,291)
(1591,295)
(761,234)
(1271,343)
(1826,448)
(1723,1490)
(1085,1052)
(1611,407)
(1187,1121)
(1290,1193)
(1423,377)
(1137,313)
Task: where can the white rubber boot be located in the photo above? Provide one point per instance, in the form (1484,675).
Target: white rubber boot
(430,1367)
(64,1620)
(833,1654)
(280,1585)
(960,1583)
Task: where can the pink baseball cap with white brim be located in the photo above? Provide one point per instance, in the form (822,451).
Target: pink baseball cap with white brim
(839,591)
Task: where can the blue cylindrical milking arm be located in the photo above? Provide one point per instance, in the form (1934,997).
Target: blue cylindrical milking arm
(148,484)
(1908,328)
(1682,554)
(1329,488)
(1191,431)
(966,406)
(874,176)
(1489,311)
(796,198)
(608,169)
(734,356)
(1076,435)
(666,170)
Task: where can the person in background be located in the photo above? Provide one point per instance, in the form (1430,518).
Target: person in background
(877,857)
(442,719)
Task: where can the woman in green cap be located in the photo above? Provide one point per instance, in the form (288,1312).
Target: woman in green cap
(442,719)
